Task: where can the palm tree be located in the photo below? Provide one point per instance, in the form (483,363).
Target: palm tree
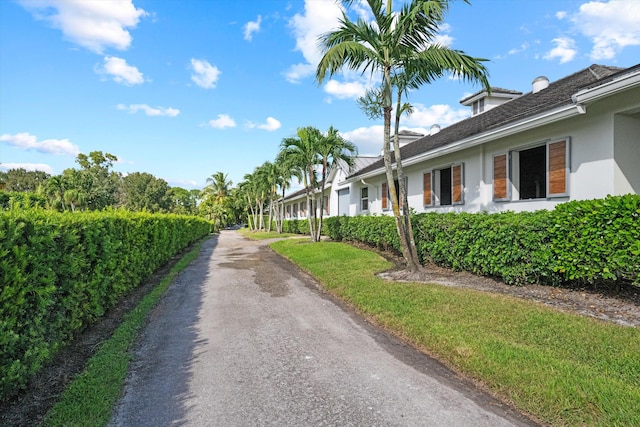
(333,148)
(287,172)
(396,44)
(218,186)
(302,153)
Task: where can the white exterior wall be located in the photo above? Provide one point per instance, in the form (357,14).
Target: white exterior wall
(594,172)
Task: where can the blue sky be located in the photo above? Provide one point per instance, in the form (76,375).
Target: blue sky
(183,89)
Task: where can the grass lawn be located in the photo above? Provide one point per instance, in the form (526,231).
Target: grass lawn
(89,399)
(263,235)
(563,369)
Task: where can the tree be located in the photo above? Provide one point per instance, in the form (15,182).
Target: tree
(332,148)
(287,172)
(183,201)
(397,44)
(302,154)
(141,191)
(23,180)
(95,180)
(215,199)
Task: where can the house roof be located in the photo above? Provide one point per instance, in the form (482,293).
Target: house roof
(557,94)
(360,162)
(494,91)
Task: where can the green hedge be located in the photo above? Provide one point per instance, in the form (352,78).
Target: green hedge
(583,242)
(61,271)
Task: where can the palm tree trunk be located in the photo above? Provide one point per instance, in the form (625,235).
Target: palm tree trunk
(393,195)
(414,265)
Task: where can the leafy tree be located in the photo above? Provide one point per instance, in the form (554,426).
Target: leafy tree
(95,180)
(332,148)
(144,192)
(23,180)
(397,43)
(183,201)
(302,153)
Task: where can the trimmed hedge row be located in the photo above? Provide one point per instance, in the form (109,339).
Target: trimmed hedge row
(583,242)
(61,271)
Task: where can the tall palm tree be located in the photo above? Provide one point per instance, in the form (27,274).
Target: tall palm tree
(218,186)
(302,153)
(397,43)
(287,171)
(333,148)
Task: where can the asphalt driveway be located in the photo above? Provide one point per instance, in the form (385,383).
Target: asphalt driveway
(242,338)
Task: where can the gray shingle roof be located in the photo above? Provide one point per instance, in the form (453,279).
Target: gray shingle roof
(555,95)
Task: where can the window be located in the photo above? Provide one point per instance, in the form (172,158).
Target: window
(364,199)
(478,106)
(443,187)
(530,173)
(295,210)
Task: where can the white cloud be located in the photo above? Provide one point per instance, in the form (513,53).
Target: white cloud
(561,14)
(345,90)
(319,17)
(438,114)
(367,139)
(26,141)
(95,25)
(522,48)
(565,50)
(204,74)
(611,26)
(252,27)
(443,38)
(223,121)
(150,111)
(28,166)
(120,71)
(270,125)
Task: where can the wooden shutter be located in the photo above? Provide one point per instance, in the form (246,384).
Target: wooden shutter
(500,177)
(457,184)
(427,191)
(558,173)
(385,198)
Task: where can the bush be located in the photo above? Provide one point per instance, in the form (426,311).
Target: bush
(593,241)
(61,271)
(597,241)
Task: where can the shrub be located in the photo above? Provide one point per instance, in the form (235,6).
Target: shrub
(61,271)
(593,241)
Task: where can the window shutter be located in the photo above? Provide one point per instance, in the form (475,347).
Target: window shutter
(457,184)
(558,173)
(385,199)
(427,192)
(500,178)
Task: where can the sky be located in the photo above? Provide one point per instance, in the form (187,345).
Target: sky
(184,89)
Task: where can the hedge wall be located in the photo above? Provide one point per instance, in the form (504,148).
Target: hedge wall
(584,242)
(61,271)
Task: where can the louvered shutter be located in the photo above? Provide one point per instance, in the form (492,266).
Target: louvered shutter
(500,177)
(385,197)
(558,173)
(427,191)
(457,184)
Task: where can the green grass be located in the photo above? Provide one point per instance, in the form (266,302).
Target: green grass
(263,235)
(563,369)
(89,399)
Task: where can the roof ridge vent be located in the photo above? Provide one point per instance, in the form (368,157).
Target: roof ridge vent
(540,83)
(434,129)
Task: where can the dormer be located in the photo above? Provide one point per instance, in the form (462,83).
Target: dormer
(404,137)
(483,101)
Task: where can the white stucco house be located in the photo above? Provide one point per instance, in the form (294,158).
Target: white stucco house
(573,139)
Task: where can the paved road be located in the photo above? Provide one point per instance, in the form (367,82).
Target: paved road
(242,338)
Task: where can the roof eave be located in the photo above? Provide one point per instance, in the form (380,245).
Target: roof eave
(542,119)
